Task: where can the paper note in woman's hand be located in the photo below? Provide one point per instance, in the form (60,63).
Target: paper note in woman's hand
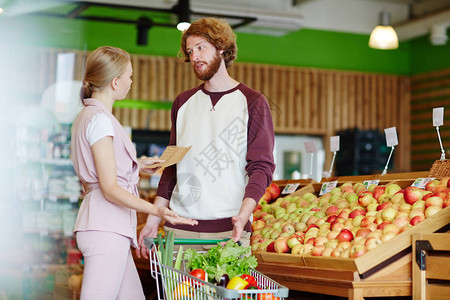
(172,155)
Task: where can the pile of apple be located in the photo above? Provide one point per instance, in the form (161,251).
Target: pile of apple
(347,222)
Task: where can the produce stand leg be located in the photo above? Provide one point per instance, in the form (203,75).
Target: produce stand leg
(355,294)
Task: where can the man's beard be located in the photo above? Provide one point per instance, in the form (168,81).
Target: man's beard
(210,70)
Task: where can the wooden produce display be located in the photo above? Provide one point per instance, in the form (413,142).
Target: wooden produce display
(431,272)
(385,271)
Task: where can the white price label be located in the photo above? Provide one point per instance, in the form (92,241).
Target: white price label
(391,136)
(368,183)
(421,182)
(334,143)
(438,116)
(290,188)
(310,147)
(327,187)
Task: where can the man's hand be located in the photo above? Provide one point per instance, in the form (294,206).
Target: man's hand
(239,221)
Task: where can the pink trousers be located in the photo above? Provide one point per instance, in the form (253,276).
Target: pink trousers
(109,270)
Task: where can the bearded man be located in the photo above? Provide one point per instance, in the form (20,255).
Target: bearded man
(229,126)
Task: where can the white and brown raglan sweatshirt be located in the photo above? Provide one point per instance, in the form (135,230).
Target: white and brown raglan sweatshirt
(232,139)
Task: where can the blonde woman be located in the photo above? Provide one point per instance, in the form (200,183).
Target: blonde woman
(105,160)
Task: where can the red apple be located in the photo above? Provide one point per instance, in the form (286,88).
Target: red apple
(401,222)
(378,191)
(356,212)
(281,245)
(345,236)
(367,220)
(373,242)
(332,210)
(271,247)
(317,250)
(331,218)
(258,224)
(412,194)
(363,232)
(383,205)
(417,219)
(383,224)
(274,191)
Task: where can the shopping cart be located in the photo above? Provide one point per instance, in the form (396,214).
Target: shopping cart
(173,284)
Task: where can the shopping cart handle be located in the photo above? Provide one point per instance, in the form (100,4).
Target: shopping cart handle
(149,242)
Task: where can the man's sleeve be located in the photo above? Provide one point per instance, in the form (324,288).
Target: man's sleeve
(169,175)
(260,145)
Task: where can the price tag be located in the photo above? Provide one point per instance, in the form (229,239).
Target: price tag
(421,182)
(334,143)
(327,187)
(368,183)
(290,188)
(310,147)
(391,136)
(438,116)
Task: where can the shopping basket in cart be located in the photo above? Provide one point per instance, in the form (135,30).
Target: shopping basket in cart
(173,284)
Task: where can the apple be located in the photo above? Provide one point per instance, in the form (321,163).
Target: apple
(376,233)
(344,213)
(264,245)
(392,189)
(405,207)
(296,249)
(345,236)
(356,212)
(388,236)
(383,205)
(434,200)
(412,194)
(401,221)
(384,198)
(332,210)
(352,197)
(332,244)
(317,250)
(267,197)
(357,250)
(372,207)
(344,245)
(331,218)
(310,241)
(383,224)
(431,185)
(397,198)
(292,241)
(336,253)
(367,220)
(288,228)
(372,226)
(378,191)
(271,246)
(418,205)
(258,224)
(357,220)
(306,249)
(446,203)
(281,245)
(255,238)
(275,234)
(431,210)
(321,240)
(345,253)
(372,242)
(389,213)
(417,219)
(390,227)
(363,232)
(300,226)
(327,251)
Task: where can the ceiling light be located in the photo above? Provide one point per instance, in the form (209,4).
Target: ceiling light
(384,36)
(184,14)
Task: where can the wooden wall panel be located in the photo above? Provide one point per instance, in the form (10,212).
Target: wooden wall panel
(428,91)
(303,100)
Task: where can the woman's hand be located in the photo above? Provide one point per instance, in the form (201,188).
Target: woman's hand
(172,217)
(145,164)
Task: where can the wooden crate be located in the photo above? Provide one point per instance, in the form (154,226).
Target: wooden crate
(431,266)
(382,272)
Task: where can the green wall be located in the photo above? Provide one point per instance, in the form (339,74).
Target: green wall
(304,48)
(426,57)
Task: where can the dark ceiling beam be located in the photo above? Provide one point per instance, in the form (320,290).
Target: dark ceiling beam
(78,10)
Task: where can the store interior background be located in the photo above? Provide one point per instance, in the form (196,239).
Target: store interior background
(41,56)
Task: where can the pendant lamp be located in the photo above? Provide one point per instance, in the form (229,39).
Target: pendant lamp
(384,36)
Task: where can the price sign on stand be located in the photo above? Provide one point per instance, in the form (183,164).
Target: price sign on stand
(327,187)
(334,147)
(368,183)
(290,188)
(310,147)
(438,120)
(421,182)
(391,141)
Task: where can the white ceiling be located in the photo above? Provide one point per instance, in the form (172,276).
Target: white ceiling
(411,18)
